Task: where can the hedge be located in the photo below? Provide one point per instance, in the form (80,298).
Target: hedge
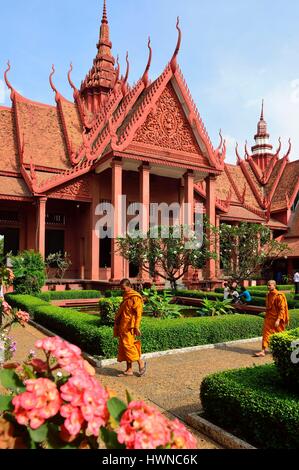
(261,289)
(259,300)
(253,404)
(286,356)
(87,331)
(69,294)
(114,293)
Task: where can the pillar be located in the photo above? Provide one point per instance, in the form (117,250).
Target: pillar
(41,225)
(94,241)
(218,247)
(144,198)
(189,198)
(117,261)
(211,216)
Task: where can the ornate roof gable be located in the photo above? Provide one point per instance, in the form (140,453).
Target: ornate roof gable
(167,128)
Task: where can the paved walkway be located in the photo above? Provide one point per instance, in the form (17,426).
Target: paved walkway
(172,382)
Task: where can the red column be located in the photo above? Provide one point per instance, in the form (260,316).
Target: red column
(211,215)
(94,244)
(144,180)
(117,261)
(181,201)
(41,225)
(189,198)
(218,247)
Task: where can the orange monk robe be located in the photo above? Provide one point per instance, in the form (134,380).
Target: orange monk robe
(127,318)
(277,308)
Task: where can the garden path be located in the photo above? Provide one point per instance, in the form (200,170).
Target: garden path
(172,382)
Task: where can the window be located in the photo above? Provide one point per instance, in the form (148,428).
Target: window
(105,252)
(9,216)
(9,241)
(54,242)
(55,219)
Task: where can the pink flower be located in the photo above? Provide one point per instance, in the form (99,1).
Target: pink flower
(87,400)
(143,427)
(23,317)
(6,308)
(40,402)
(181,438)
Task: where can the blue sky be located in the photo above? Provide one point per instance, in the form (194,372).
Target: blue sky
(234,53)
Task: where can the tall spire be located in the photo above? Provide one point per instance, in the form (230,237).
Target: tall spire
(101,78)
(262,150)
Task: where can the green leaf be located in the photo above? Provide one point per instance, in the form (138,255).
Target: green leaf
(9,379)
(40,434)
(5,403)
(129,397)
(116,408)
(110,439)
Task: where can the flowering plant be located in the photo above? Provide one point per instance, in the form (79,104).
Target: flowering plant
(6,276)
(9,317)
(57,403)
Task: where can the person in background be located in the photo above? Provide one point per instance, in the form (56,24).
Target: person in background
(127,327)
(245,296)
(277,315)
(226,291)
(296,282)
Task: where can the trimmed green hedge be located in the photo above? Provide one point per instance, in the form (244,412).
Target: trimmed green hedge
(114,293)
(70,294)
(253,404)
(258,301)
(261,289)
(88,332)
(286,356)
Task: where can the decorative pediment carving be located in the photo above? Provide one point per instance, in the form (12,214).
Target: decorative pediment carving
(78,190)
(167,126)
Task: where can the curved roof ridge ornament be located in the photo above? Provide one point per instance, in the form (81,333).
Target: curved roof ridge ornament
(76,91)
(125,80)
(51,82)
(221,141)
(145,77)
(246,149)
(173,62)
(9,85)
(289,150)
(237,153)
(279,147)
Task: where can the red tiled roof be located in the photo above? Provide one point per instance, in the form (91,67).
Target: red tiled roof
(240,213)
(286,185)
(8,145)
(41,127)
(240,181)
(72,121)
(12,186)
(293,244)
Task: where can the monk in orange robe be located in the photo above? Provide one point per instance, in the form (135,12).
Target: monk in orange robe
(127,327)
(277,315)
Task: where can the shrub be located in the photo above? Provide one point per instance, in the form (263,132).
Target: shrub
(69,294)
(108,309)
(29,270)
(114,293)
(257,406)
(158,304)
(88,332)
(212,308)
(285,356)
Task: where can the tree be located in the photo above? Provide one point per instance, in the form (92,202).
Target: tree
(168,255)
(247,249)
(60,261)
(29,270)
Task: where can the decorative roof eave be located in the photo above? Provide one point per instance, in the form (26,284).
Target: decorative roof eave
(233,183)
(251,183)
(215,157)
(277,179)
(222,205)
(293,196)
